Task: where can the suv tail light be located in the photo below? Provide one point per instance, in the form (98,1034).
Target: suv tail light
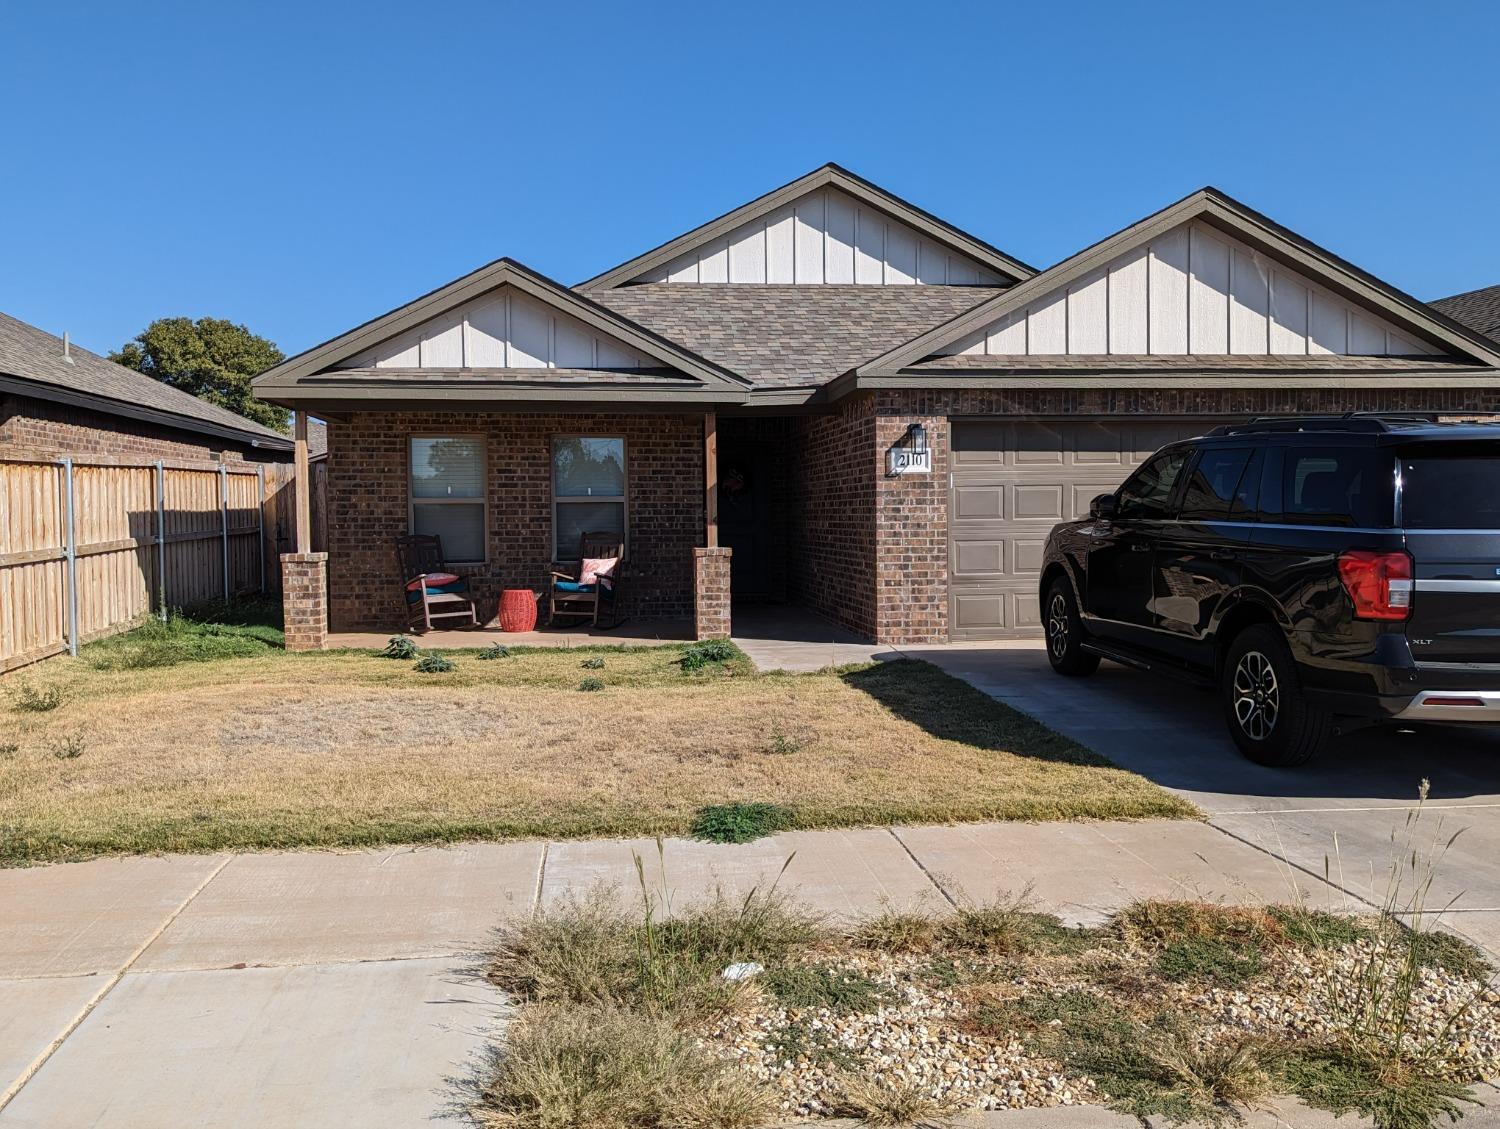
(1378,583)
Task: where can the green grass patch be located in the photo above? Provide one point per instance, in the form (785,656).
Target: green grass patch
(711,652)
(740,823)
(840,990)
(1391,1094)
(208,633)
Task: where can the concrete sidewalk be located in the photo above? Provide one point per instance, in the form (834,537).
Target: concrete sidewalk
(342,989)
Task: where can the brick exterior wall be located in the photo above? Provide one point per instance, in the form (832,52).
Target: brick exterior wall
(911,511)
(835,469)
(52,428)
(711,617)
(367,507)
(304,597)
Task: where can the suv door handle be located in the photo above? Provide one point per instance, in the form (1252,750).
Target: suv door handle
(1222,555)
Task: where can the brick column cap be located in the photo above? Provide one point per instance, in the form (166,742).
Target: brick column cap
(303,558)
(713,551)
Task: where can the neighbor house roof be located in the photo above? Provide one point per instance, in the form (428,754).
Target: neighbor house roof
(791,336)
(1477,309)
(32,363)
(829,175)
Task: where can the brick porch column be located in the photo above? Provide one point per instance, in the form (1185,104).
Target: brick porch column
(304,600)
(711,593)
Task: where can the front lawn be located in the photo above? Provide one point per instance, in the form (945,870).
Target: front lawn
(115,753)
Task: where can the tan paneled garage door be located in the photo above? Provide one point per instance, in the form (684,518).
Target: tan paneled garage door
(1012,482)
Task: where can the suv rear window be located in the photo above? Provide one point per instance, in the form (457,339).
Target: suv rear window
(1338,486)
(1450,492)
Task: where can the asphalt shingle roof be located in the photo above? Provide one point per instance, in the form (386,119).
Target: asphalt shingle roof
(1477,309)
(790,336)
(30,354)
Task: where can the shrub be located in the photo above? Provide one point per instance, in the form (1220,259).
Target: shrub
(708,652)
(401,647)
(595,663)
(739,823)
(588,685)
(495,651)
(70,747)
(433,663)
(27,698)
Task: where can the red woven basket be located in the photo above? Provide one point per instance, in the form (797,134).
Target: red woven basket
(517,609)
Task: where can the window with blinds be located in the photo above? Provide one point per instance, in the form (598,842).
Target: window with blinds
(588,491)
(447,494)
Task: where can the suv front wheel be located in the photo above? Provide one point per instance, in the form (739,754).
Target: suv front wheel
(1064,631)
(1269,719)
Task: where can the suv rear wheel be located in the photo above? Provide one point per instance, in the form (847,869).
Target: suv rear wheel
(1269,719)
(1065,631)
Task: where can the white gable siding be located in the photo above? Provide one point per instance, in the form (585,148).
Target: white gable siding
(1192,290)
(502,329)
(826,236)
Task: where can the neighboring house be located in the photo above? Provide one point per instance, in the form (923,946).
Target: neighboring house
(58,399)
(757,381)
(1477,309)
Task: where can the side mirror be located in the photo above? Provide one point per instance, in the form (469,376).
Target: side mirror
(1104,506)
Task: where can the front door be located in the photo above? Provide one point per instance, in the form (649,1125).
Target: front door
(744,516)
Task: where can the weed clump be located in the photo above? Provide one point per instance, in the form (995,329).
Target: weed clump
(401,647)
(595,663)
(433,663)
(709,652)
(495,651)
(740,823)
(29,698)
(589,685)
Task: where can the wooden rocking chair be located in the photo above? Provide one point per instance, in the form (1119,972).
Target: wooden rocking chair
(599,601)
(430,591)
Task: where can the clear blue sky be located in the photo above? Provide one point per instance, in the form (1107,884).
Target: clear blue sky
(301,167)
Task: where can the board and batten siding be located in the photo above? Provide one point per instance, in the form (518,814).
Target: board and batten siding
(825,237)
(502,329)
(1193,290)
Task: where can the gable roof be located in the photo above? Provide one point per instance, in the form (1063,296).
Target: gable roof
(1216,208)
(828,175)
(790,336)
(306,376)
(32,364)
(1477,309)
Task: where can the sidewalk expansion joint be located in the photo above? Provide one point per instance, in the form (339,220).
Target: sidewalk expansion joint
(920,865)
(541,878)
(97,998)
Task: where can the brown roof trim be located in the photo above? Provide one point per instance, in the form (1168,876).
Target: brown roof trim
(276,384)
(1486,379)
(829,174)
(1228,214)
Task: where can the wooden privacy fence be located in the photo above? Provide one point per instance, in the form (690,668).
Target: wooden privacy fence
(90,546)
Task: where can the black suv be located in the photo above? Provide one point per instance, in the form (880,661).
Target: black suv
(1322,573)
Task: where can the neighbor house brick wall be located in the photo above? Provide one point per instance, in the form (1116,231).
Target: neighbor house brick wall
(834,471)
(367,507)
(51,428)
(911,511)
(711,618)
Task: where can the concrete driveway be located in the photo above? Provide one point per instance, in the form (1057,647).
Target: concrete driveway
(1339,811)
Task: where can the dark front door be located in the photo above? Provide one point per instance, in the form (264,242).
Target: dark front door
(745,516)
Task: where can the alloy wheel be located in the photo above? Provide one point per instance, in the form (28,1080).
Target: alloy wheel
(1257,695)
(1057,625)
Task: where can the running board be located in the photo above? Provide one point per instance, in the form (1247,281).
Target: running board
(1137,662)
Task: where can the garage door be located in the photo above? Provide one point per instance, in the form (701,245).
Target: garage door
(1012,482)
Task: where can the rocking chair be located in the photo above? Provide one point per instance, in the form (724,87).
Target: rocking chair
(431,592)
(595,597)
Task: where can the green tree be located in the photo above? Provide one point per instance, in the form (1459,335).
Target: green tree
(210,358)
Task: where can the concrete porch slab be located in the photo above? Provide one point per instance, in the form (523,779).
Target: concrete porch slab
(318,907)
(793,639)
(356,1045)
(35,1012)
(75,918)
(841,873)
(631,633)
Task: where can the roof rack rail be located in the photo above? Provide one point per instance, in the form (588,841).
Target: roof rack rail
(1367,422)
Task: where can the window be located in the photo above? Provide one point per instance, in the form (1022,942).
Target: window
(1148,492)
(1338,486)
(1450,492)
(1212,487)
(588,491)
(447,494)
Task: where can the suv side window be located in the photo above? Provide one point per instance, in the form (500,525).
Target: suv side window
(1338,486)
(1213,485)
(1148,492)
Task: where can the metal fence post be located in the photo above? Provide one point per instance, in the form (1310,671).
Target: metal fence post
(260,512)
(72,550)
(161,539)
(224,522)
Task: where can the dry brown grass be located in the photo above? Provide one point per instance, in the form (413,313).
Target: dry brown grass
(348,748)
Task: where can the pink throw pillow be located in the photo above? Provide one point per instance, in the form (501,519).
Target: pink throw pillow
(438,579)
(594,568)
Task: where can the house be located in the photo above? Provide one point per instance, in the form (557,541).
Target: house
(58,399)
(833,398)
(1477,309)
